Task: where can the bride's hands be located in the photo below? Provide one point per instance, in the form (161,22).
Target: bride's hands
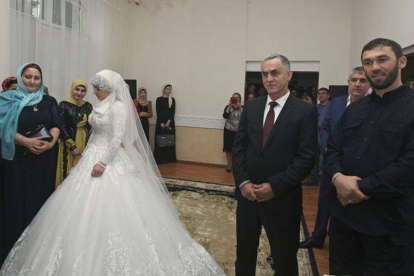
(98,170)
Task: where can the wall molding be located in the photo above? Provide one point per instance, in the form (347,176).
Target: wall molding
(183,121)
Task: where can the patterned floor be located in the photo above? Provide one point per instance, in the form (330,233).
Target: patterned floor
(208,212)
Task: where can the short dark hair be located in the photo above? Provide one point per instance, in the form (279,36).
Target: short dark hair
(381,42)
(324,89)
(35,66)
(410,78)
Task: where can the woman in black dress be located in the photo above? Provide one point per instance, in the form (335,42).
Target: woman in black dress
(144,109)
(28,164)
(165,107)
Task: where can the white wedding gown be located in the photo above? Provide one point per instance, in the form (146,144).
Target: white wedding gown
(116,224)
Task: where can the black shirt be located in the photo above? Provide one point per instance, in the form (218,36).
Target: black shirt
(374,140)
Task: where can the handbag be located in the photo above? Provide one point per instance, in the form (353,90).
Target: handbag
(41,132)
(165,140)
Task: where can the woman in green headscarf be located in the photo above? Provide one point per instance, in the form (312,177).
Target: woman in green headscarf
(75,133)
(28,165)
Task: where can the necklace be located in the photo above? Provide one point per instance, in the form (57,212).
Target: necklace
(35,109)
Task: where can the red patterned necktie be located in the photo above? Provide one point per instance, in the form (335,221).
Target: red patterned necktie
(270,119)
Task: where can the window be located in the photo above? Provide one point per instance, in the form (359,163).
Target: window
(35,8)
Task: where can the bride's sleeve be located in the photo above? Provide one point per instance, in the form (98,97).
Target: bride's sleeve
(119,127)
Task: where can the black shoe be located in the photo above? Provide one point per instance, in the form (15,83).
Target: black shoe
(228,169)
(310,243)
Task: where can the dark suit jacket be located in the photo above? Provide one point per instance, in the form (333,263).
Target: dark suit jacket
(286,159)
(334,112)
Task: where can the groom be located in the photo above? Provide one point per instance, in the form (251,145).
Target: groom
(274,150)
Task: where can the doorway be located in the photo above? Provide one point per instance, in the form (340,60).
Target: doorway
(302,82)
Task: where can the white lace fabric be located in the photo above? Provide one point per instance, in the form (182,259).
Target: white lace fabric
(122,223)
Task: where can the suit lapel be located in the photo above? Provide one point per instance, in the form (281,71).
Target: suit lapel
(283,115)
(260,114)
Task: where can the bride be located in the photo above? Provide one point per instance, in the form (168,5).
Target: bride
(112,215)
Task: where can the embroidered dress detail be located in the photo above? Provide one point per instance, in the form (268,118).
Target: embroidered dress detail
(118,224)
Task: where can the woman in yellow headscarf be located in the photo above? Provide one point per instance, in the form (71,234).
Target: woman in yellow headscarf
(75,133)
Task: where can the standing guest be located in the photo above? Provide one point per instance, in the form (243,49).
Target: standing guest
(323,97)
(46,90)
(9,83)
(410,81)
(144,109)
(28,168)
(75,133)
(306,98)
(274,150)
(251,88)
(232,113)
(250,96)
(262,92)
(370,160)
(294,92)
(358,86)
(165,108)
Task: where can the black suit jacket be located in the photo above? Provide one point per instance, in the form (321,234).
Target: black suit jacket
(287,157)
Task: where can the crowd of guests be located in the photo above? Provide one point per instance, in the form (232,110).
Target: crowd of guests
(361,147)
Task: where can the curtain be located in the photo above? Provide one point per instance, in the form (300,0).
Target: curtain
(69,39)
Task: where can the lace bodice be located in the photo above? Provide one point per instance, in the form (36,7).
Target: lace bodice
(108,131)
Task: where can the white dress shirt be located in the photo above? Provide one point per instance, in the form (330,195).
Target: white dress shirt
(280,103)
(277,109)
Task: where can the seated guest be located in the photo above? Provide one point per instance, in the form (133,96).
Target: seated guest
(9,84)
(75,112)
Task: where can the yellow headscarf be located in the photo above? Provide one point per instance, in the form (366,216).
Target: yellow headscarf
(72,98)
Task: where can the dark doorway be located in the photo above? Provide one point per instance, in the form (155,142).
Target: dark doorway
(408,71)
(303,82)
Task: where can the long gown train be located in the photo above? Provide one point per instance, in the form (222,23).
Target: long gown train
(116,224)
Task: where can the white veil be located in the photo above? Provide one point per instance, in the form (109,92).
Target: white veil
(135,141)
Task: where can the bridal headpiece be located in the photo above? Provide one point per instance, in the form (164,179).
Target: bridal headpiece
(102,83)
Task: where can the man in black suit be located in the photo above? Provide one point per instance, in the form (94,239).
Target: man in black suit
(274,150)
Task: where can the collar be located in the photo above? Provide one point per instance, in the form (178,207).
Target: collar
(281,101)
(390,95)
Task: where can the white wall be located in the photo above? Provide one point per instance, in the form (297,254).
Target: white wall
(381,18)
(4,45)
(303,30)
(201,48)
(197,46)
